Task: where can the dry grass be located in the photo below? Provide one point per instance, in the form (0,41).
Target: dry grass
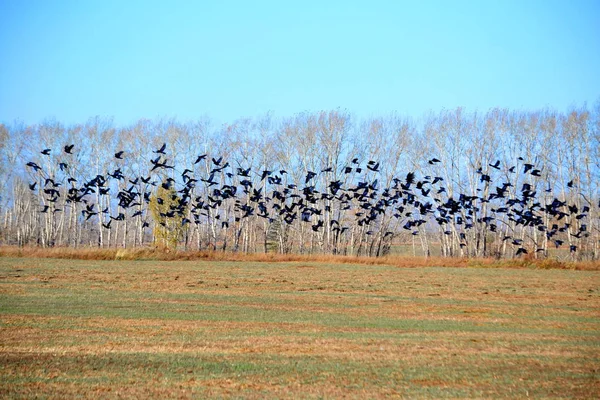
(150,253)
(189,329)
(273,330)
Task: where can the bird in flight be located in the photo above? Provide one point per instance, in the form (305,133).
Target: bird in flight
(309,176)
(373,166)
(161,150)
(34,166)
(496,165)
(200,158)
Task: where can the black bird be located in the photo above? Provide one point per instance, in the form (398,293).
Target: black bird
(521,250)
(200,158)
(373,166)
(264,174)
(244,172)
(433,161)
(318,225)
(528,167)
(161,150)
(45,152)
(185,172)
(50,180)
(160,165)
(496,165)
(274,180)
(119,155)
(119,217)
(69,148)
(34,166)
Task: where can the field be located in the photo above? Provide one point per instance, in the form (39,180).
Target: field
(183,329)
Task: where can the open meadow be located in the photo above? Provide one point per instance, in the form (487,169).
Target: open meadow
(183,329)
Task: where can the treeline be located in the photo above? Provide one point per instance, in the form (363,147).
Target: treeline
(502,183)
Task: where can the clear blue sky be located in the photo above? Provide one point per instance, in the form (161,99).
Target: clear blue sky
(72,60)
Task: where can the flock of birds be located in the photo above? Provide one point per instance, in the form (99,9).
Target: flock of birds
(357,193)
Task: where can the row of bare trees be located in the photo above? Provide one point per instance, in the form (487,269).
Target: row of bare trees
(478,153)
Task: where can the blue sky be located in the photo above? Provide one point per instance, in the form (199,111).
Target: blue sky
(72,60)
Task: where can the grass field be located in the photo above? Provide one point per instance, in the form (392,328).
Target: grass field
(183,329)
